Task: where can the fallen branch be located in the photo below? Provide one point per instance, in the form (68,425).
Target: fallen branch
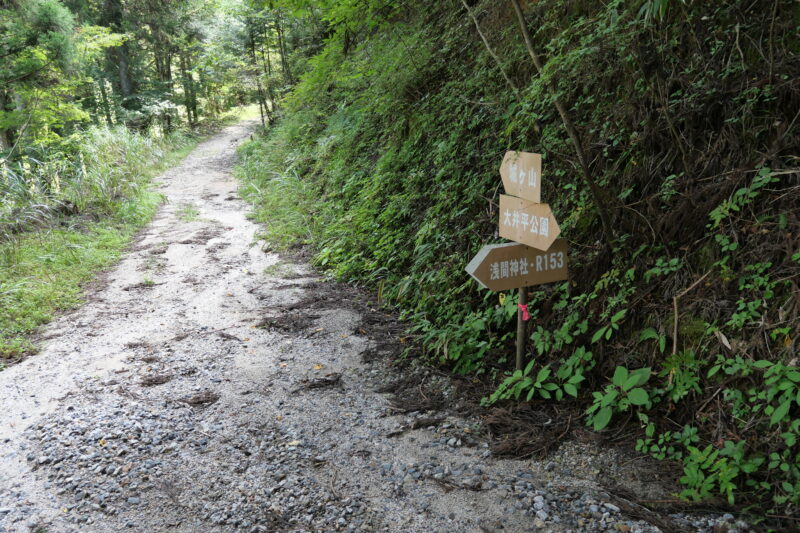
(489,49)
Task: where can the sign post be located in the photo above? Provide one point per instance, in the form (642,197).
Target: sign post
(527,222)
(521,328)
(500,267)
(537,255)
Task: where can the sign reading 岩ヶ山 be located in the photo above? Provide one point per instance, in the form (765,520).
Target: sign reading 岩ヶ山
(500,267)
(522,175)
(527,222)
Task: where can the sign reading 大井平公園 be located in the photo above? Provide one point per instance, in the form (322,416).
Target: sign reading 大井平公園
(527,222)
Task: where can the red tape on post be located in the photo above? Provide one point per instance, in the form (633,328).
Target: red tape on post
(524,309)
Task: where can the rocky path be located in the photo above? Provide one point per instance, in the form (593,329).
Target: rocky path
(208,386)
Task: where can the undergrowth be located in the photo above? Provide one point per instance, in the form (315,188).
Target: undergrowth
(66,217)
(682,333)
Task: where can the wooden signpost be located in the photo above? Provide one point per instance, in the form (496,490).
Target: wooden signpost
(528,223)
(537,255)
(500,267)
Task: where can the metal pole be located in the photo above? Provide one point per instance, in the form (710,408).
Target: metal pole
(521,329)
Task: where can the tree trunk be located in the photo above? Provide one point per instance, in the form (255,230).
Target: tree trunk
(594,189)
(262,101)
(112,18)
(187,91)
(266,64)
(5,137)
(287,74)
(125,85)
(101,83)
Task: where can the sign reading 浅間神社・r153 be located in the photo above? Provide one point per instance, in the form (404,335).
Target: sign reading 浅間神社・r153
(500,267)
(527,222)
(521,173)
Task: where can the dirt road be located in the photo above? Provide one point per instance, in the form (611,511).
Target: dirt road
(209,386)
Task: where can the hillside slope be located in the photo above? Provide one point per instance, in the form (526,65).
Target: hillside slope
(679,326)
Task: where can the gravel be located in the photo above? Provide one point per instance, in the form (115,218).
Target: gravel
(96,440)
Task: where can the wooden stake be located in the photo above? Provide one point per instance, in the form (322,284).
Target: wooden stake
(521,329)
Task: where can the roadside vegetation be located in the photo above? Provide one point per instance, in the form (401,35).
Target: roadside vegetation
(95,99)
(62,221)
(678,331)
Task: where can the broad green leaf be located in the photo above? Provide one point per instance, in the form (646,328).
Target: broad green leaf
(543,374)
(638,396)
(598,334)
(618,316)
(642,375)
(602,418)
(780,412)
(631,382)
(620,376)
(609,398)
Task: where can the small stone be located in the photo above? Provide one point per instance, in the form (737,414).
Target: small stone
(542,515)
(611,507)
(134,500)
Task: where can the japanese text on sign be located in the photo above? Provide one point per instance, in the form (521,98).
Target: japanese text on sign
(519,267)
(538,225)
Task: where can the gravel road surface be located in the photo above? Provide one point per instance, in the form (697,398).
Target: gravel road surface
(209,386)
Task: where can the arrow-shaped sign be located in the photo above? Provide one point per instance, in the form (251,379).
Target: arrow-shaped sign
(500,267)
(522,175)
(527,222)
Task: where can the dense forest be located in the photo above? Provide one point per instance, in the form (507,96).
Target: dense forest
(668,131)
(95,97)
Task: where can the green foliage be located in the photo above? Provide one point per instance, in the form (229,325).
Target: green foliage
(392,139)
(47,252)
(624,391)
(741,198)
(605,332)
(522,381)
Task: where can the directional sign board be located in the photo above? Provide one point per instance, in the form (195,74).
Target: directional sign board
(527,222)
(522,175)
(500,267)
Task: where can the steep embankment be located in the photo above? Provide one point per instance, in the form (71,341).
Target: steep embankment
(386,161)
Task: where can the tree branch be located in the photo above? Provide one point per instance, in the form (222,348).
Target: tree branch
(489,49)
(594,189)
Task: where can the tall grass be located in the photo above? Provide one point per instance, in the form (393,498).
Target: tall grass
(64,216)
(283,203)
(91,175)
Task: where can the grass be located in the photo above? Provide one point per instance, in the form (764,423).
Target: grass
(43,271)
(187,212)
(283,203)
